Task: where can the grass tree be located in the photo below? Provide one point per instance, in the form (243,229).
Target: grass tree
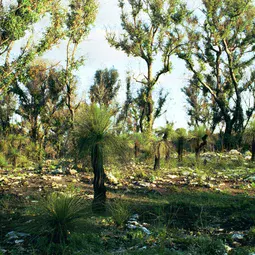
(162,144)
(181,137)
(199,135)
(250,133)
(219,53)
(151,30)
(93,132)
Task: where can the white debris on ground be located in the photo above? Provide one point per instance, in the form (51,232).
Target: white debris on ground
(133,223)
(16,237)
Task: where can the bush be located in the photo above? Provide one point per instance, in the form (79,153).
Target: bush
(57,216)
(207,246)
(3,161)
(120,211)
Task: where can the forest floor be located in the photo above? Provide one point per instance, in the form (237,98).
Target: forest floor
(183,208)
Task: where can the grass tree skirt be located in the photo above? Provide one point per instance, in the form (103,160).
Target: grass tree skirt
(98,204)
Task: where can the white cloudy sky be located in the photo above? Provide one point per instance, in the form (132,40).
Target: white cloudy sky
(100,55)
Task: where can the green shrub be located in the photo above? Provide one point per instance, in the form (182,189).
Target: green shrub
(251,235)
(120,211)
(57,216)
(3,161)
(207,246)
(22,161)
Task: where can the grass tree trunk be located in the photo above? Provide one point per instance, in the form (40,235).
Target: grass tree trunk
(149,99)
(180,146)
(98,204)
(227,140)
(137,149)
(157,158)
(200,146)
(253,150)
(167,156)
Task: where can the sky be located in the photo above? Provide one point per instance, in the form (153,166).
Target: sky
(100,55)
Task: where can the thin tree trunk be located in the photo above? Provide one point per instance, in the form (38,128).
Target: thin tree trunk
(137,149)
(180,148)
(167,156)
(200,146)
(34,130)
(150,117)
(253,150)
(149,100)
(157,158)
(98,204)
(227,136)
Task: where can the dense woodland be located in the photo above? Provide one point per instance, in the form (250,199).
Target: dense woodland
(95,176)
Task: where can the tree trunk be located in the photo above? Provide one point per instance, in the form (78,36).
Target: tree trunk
(149,100)
(98,204)
(253,150)
(227,143)
(180,148)
(150,117)
(34,130)
(156,163)
(167,156)
(200,146)
(157,158)
(137,149)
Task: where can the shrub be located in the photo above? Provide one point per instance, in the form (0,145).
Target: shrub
(3,161)
(120,211)
(207,246)
(58,215)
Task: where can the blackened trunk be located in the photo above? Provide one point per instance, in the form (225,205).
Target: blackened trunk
(227,139)
(200,146)
(167,157)
(98,204)
(253,150)
(156,163)
(180,148)
(149,110)
(137,149)
(34,133)
(157,158)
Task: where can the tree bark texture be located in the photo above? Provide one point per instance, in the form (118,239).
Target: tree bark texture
(98,204)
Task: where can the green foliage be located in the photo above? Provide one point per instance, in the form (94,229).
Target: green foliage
(120,211)
(18,20)
(57,216)
(106,86)
(207,246)
(181,133)
(251,235)
(3,161)
(81,16)
(198,132)
(210,54)
(93,125)
(150,30)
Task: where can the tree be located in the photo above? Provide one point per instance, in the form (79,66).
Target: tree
(200,109)
(181,137)
(134,108)
(250,133)
(81,15)
(162,143)
(106,86)
(93,133)
(199,133)
(38,90)
(219,53)
(17,20)
(7,109)
(151,29)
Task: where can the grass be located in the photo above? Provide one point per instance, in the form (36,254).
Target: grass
(183,219)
